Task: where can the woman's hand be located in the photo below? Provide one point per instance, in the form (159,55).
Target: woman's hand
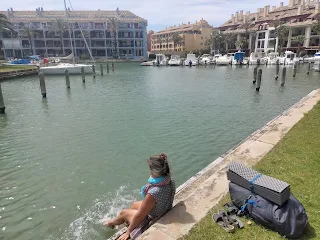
(124,236)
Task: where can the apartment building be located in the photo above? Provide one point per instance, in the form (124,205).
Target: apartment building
(192,37)
(130,41)
(298,17)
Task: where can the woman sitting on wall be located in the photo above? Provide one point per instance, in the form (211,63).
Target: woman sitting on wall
(158,196)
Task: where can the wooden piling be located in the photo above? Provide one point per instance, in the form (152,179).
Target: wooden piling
(258,61)
(112,66)
(267,62)
(42,85)
(2,107)
(259,80)
(107,67)
(83,75)
(94,71)
(101,69)
(284,73)
(294,70)
(277,70)
(255,70)
(309,67)
(66,73)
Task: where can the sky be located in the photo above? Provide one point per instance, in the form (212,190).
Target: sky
(160,14)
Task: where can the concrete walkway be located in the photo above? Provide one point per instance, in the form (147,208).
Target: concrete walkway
(200,193)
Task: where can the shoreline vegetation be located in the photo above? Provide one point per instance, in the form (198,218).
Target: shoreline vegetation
(295,159)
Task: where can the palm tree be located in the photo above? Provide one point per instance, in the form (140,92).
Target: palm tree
(230,39)
(4,25)
(177,39)
(216,40)
(167,39)
(58,28)
(300,40)
(29,33)
(160,41)
(281,31)
(240,43)
(247,25)
(316,29)
(114,30)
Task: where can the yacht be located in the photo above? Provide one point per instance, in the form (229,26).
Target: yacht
(61,67)
(272,58)
(175,60)
(314,58)
(191,60)
(238,58)
(289,58)
(206,59)
(257,56)
(223,60)
(147,63)
(160,60)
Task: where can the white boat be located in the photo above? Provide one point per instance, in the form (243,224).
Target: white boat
(316,65)
(148,63)
(315,58)
(289,58)
(191,60)
(223,60)
(272,58)
(205,59)
(175,60)
(256,57)
(161,60)
(239,59)
(72,68)
(61,67)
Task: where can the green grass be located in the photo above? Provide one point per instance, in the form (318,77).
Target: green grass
(296,160)
(15,68)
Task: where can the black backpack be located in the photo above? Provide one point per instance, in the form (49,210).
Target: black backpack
(289,219)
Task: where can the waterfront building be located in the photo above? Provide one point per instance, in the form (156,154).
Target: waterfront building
(149,36)
(108,34)
(193,37)
(298,17)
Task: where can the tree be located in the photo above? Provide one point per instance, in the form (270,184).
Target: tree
(177,39)
(114,30)
(230,39)
(5,25)
(240,43)
(58,28)
(160,41)
(247,25)
(316,29)
(300,40)
(215,41)
(167,39)
(281,31)
(29,33)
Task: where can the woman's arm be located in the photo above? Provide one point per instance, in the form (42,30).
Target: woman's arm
(145,208)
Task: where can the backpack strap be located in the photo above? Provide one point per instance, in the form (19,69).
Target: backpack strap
(253,180)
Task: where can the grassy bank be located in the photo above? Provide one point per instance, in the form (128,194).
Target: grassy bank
(15,68)
(296,160)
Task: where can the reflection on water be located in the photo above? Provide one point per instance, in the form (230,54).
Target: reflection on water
(71,160)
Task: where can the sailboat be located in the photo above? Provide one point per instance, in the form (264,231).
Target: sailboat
(72,68)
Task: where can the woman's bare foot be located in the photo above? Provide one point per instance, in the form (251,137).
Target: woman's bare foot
(109,224)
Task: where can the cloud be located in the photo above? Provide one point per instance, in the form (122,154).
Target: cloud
(158,13)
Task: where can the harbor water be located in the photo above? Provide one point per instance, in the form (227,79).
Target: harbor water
(77,157)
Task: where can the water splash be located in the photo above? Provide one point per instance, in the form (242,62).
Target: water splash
(90,224)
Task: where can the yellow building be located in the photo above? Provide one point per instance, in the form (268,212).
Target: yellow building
(193,37)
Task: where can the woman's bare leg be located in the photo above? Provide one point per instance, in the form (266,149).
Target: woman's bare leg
(136,205)
(125,215)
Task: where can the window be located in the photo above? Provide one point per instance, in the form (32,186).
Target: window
(262,35)
(201,44)
(262,44)
(201,38)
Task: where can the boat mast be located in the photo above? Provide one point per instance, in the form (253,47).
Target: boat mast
(72,51)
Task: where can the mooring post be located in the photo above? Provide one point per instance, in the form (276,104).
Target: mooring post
(101,69)
(94,71)
(267,62)
(2,107)
(107,67)
(112,66)
(258,61)
(83,74)
(309,67)
(259,80)
(277,70)
(66,73)
(255,71)
(42,85)
(294,69)
(284,73)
